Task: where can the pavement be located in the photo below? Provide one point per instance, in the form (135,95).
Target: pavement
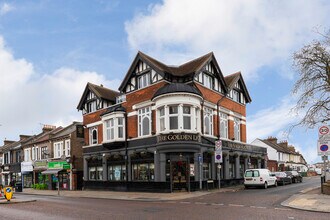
(309,199)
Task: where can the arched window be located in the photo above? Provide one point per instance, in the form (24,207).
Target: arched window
(208,121)
(93,136)
(144,121)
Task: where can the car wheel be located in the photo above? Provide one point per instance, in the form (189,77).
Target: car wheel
(295,180)
(266,185)
(246,187)
(283,183)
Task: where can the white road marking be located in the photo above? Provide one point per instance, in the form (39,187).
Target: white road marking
(290,217)
(235,205)
(283,209)
(185,202)
(200,203)
(217,204)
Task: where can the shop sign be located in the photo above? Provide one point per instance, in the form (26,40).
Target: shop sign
(58,165)
(178,137)
(40,164)
(237,146)
(26,167)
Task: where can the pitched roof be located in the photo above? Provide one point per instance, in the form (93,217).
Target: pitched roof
(100,92)
(275,146)
(232,79)
(187,68)
(66,130)
(182,70)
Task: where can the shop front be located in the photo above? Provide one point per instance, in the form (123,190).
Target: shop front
(27,174)
(58,175)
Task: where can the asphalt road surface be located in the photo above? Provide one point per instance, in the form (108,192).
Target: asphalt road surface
(244,204)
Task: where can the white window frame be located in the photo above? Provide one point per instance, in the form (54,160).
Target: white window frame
(144,113)
(237,129)
(58,149)
(91,140)
(111,130)
(194,118)
(68,148)
(144,80)
(208,114)
(208,81)
(223,125)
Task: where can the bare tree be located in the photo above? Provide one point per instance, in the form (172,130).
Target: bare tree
(313,86)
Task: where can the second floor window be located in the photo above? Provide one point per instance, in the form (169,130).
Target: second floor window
(144,121)
(208,81)
(144,80)
(27,153)
(208,121)
(93,136)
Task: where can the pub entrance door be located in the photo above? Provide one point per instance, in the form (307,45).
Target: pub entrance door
(180,173)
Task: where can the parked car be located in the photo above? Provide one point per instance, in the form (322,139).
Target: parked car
(296,177)
(259,177)
(283,178)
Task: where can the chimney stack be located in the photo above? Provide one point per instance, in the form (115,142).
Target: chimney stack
(23,137)
(272,139)
(47,128)
(283,144)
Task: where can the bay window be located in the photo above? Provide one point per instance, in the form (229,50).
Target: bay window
(113,128)
(178,118)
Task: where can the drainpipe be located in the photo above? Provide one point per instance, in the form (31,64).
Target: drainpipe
(126,151)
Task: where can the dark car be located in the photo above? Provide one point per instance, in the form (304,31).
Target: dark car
(283,178)
(296,177)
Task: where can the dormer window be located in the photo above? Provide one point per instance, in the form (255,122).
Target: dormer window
(144,80)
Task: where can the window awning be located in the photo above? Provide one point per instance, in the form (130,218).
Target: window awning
(51,171)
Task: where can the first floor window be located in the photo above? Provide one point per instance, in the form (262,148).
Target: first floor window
(208,121)
(143,171)
(223,125)
(93,136)
(162,118)
(174,116)
(67,148)
(186,111)
(144,121)
(237,133)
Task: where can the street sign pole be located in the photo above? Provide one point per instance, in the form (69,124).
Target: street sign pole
(200,160)
(219,175)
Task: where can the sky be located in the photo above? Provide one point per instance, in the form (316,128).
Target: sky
(49,50)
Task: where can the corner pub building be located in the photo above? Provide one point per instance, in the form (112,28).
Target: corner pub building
(158,132)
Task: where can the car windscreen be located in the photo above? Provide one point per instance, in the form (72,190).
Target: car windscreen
(251,173)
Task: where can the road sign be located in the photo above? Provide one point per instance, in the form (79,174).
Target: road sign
(218,152)
(324,132)
(323,147)
(200,158)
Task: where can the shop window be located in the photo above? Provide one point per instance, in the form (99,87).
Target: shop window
(223,125)
(116,172)
(143,171)
(95,173)
(237,132)
(207,171)
(208,121)
(144,121)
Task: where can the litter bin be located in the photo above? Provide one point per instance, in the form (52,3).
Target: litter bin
(18,187)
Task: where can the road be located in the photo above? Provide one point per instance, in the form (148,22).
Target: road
(244,204)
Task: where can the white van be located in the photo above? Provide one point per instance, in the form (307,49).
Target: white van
(259,177)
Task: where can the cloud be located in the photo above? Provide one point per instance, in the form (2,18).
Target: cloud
(29,99)
(269,121)
(5,8)
(245,35)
